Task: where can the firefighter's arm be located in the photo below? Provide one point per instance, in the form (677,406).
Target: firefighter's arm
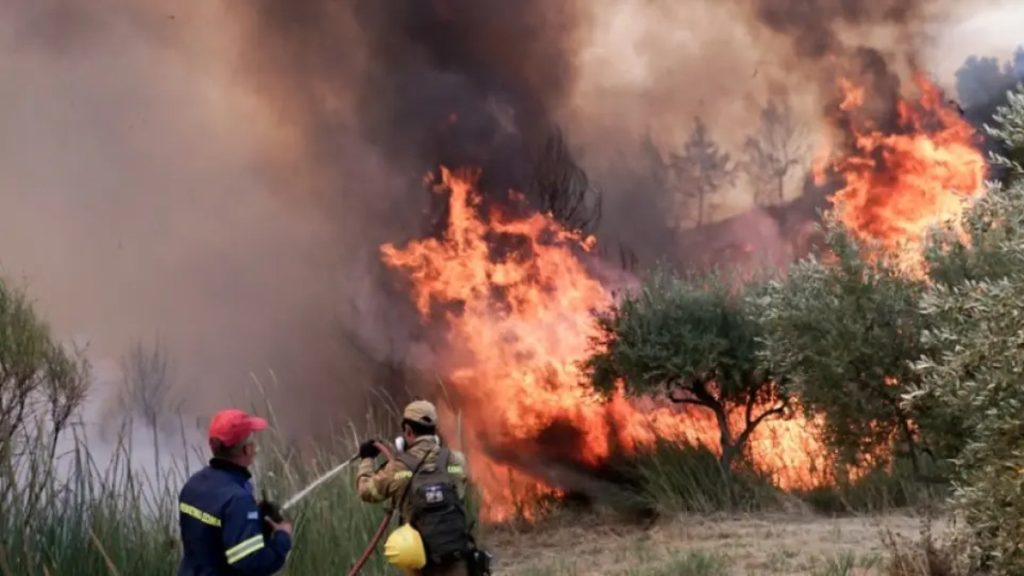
(375,486)
(247,553)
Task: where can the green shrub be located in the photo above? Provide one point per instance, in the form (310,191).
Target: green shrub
(973,372)
(880,490)
(674,477)
(117,520)
(695,563)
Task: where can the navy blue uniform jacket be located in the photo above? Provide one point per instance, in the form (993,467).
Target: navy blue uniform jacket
(221,527)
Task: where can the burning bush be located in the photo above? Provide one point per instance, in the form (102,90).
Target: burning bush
(512,300)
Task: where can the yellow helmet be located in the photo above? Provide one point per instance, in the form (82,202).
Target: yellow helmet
(404,548)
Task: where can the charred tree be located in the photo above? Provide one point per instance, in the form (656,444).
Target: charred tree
(563,189)
(774,153)
(701,171)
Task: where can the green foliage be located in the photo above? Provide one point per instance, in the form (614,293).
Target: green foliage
(41,386)
(978,374)
(97,519)
(67,513)
(1009,131)
(846,333)
(693,563)
(680,478)
(991,249)
(693,339)
(673,332)
(972,373)
(841,565)
(881,490)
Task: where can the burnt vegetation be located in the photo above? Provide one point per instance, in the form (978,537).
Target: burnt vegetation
(774,153)
(701,171)
(562,189)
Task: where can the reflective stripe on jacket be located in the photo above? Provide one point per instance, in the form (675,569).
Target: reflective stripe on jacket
(221,527)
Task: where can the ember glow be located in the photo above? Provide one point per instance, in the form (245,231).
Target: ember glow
(515,300)
(900,183)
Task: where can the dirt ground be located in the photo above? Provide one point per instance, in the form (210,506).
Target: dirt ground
(784,544)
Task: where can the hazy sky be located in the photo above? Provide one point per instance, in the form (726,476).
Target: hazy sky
(992,31)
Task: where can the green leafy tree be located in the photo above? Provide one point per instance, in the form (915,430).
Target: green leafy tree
(1008,130)
(846,332)
(978,374)
(694,341)
(41,385)
(973,371)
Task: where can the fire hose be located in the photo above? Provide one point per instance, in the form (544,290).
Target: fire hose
(372,545)
(381,528)
(323,478)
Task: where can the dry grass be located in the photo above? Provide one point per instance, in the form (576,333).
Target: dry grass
(783,544)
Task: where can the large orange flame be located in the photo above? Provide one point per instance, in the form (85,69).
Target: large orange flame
(516,299)
(900,183)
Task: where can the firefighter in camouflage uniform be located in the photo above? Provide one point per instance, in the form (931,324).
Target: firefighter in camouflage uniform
(423,471)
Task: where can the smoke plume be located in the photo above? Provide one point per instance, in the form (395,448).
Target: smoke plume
(224,173)
(136,200)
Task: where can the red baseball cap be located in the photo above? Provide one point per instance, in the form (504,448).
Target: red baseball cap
(232,426)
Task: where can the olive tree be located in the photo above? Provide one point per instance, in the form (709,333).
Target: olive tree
(976,337)
(1008,131)
(978,374)
(846,330)
(694,341)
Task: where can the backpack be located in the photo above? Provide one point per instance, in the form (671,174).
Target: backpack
(436,511)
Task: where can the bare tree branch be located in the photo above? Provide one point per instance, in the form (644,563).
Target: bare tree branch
(563,189)
(702,170)
(774,152)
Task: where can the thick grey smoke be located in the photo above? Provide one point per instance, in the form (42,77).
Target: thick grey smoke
(424,84)
(224,173)
(136,198)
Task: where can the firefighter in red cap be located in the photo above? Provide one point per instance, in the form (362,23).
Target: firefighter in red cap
(222,528)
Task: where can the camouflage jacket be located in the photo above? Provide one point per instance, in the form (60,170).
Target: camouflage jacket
(389,483)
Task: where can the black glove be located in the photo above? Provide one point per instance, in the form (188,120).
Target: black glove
(369,449)
(269,510)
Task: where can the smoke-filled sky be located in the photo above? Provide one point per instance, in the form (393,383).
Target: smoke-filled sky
(222,173)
